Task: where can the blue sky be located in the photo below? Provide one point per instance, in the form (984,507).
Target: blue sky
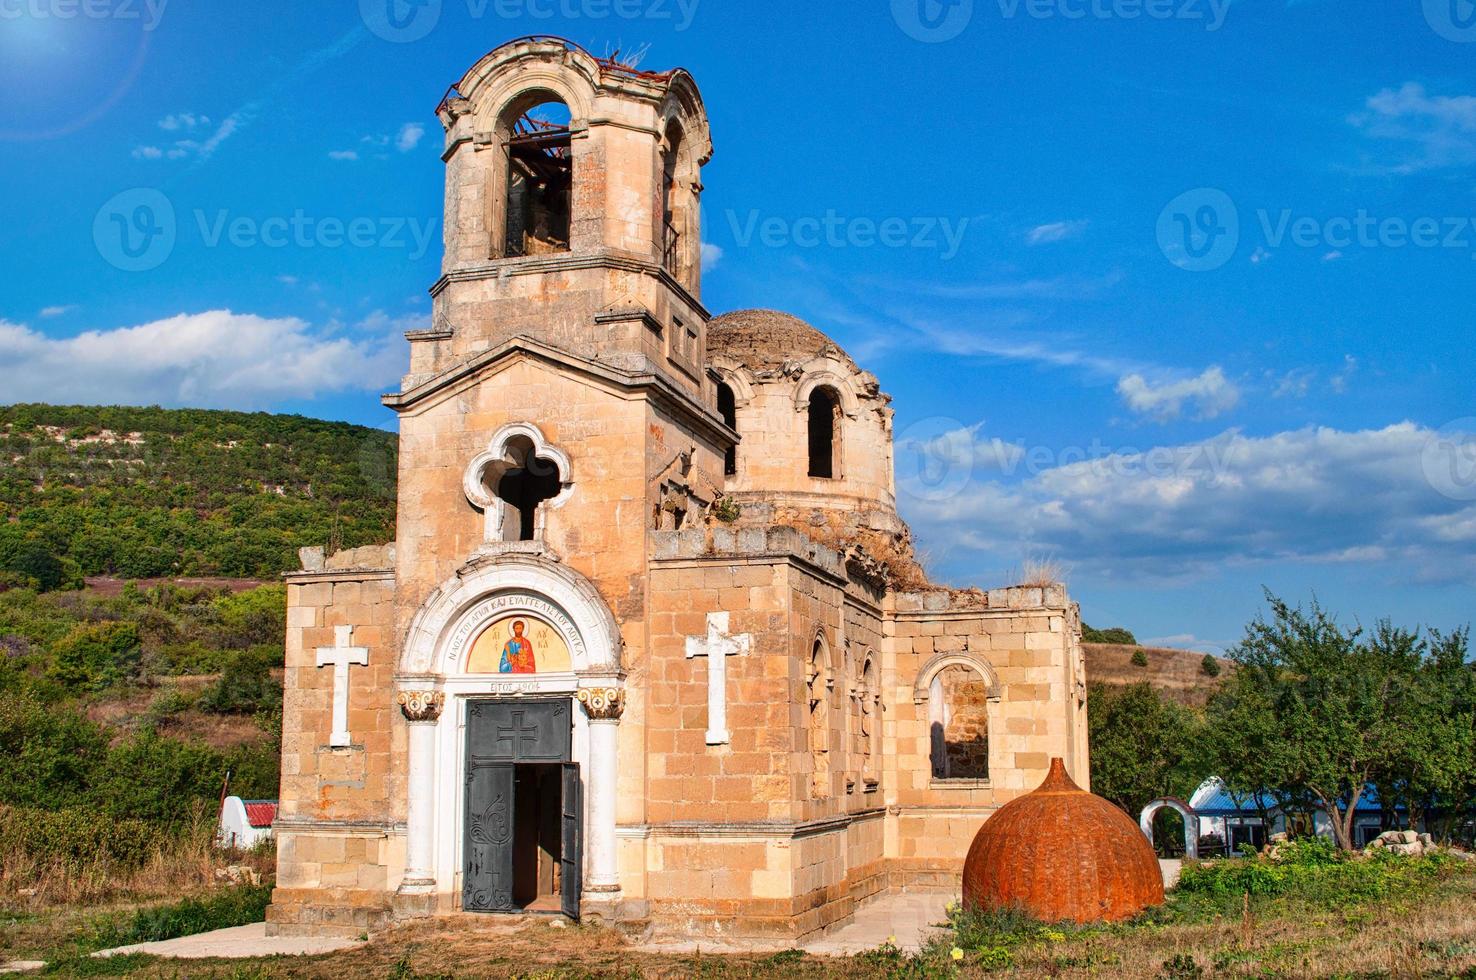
(1175,294)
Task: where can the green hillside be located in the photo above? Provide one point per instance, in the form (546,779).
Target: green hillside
(151,492)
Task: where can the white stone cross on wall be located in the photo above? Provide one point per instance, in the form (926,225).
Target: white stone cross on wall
(717,647)
(339,657)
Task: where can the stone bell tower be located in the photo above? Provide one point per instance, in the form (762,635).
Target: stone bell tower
(573,186)
(560,399)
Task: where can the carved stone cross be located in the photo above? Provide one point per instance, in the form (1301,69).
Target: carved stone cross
(340,656)
(717,647)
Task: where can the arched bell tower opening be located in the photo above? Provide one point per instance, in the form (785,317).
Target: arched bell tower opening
(539,202)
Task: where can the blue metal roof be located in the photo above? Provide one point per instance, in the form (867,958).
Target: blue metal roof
(1222,804)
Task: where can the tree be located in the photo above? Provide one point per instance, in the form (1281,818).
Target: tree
(1317,712)
(1143,746)
(1116,635)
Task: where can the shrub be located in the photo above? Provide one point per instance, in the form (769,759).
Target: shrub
(1210,666)
(78,838)
(246,685)
(95,657)
(1140,659)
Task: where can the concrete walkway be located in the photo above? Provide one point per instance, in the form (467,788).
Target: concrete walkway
(241,942)
(906,919)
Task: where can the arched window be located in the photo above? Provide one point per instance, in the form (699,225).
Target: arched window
(818,684)
(540,180)
(522,481)
(870,719)
(958,721)
(727,405)
(824,415)
(679,236)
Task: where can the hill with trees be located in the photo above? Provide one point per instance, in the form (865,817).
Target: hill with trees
(141,493)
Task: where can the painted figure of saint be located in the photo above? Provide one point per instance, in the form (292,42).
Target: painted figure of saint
(517,653)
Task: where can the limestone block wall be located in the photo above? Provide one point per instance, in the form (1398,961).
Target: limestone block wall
(1024,644)
(784,853)
(340,826)
(773,419)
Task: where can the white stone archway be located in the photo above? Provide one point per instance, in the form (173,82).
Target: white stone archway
(1191,823)
(436,689)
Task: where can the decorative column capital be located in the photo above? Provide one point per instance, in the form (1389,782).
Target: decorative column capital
(602,703)
(421,706)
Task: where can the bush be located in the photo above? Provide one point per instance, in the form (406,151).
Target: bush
(1140,659)
(1313,871)
(95,657)
(246,686)
(78,838)
(1210,666)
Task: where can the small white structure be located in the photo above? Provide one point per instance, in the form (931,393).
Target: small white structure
(245,823)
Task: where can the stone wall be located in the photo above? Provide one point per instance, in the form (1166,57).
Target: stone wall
(340,825)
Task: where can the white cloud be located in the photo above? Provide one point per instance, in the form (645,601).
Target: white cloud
(1339,381)
(183,148)
(183,120)
(1056,231)
(1316,495)
(216,359)
(1259,255)
(711,255)
(343,155)
(49,312)
(1432,130)
(409,137)
(1211,394)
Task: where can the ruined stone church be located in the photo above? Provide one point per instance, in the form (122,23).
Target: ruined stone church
(651,646)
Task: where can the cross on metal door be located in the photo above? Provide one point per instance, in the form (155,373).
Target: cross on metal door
(487,884)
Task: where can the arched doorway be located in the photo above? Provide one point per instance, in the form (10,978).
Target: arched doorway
(1185,811)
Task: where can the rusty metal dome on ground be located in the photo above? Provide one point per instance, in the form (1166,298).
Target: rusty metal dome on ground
(1062,854)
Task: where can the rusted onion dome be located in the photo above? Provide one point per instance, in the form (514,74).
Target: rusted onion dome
(1062,854)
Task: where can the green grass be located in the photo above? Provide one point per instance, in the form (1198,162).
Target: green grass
(191,916)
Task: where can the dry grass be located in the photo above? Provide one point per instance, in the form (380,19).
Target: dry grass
(1039,573)
(1427,935)
(1177,674)
(43,902)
